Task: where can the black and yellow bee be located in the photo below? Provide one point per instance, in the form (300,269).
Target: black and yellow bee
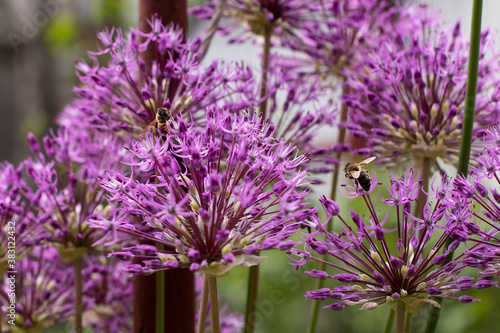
(163,117)
(361,176)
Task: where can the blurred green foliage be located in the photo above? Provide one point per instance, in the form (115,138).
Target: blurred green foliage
(61,31)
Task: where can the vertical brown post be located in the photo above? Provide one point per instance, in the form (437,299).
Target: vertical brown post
(179,283)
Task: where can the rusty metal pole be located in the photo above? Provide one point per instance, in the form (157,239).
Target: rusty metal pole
(179,283)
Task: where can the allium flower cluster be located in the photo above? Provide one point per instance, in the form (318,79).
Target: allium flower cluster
(109,289)
(220,195)
(126,93)
(66,186)
(44,292)
(19,230)
(298,112)
(332,41)
(482,191)
(393,257)
(409,101)
(255,17)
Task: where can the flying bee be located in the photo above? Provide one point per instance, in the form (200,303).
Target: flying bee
(361,176)
(163,117)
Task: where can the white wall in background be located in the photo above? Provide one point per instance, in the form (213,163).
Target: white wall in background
(454,10)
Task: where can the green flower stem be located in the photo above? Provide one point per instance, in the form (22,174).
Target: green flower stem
(252,291)
(409,317)
(214,303)
(265,66)
(77,266)
(202,316)
(467,126)
(470,92)
(434,314)
(160,302)
(400,314)
(389,320)
(313,315)
(425,173)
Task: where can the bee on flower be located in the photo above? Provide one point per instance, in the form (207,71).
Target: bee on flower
(244,194)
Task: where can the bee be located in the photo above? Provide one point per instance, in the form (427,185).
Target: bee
(163,117)
(361,177)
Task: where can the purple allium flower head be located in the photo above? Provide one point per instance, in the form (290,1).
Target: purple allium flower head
(109,289)
(214,200)
(17,225)
(125,96)
(408,102)
(298,112)
(334,39)
(66,186)
(383,259)
(281,17)
(47,286)
(481,193)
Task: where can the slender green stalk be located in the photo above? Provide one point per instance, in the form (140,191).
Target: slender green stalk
(252,291)
(160,302)
(389,320)
(400,315)
(214,303)
(202,316)
(467,125)
(313,315)
(433,317)
(77,266)
(470,92)
(409,317)
(425,173)
(265,66)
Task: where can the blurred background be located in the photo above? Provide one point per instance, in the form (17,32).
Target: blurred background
(39,43)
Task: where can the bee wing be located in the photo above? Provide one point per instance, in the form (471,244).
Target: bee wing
(368,160)
(355,174)
(150,125)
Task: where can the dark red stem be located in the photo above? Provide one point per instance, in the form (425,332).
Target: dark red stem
(179,284)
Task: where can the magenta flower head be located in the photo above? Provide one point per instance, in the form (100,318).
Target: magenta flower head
(47,287)
(390,257)
(481,191)
(109,289)
(340,32)
(298,112)
(19,231)
(408,104)
(125,94)
(220,195)
(66,186)
(253,18)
